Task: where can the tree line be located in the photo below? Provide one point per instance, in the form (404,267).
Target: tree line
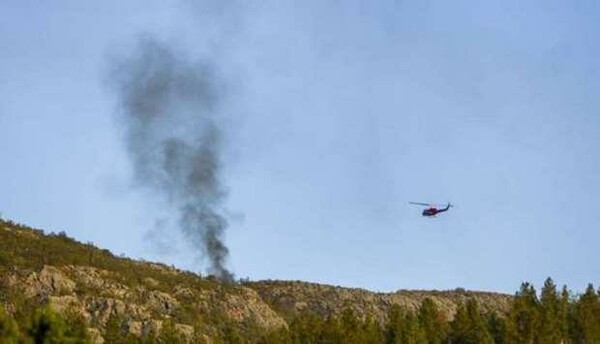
(552,316)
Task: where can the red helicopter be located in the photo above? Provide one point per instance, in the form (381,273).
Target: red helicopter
(432,209)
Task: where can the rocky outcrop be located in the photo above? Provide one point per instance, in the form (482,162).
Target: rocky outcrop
(293,298)
(91,283)
(48,281)
(95,295)
(249,305)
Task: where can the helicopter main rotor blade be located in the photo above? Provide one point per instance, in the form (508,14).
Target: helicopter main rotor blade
(419,203)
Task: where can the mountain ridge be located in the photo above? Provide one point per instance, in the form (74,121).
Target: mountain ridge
(38,268)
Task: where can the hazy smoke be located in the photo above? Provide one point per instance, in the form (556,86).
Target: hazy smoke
(170,115)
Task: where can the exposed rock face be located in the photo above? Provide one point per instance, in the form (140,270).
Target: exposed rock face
(249,305)
(83,280)
(48,281)
(95,295)
(293,298)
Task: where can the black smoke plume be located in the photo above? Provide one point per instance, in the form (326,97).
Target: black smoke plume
(169,110)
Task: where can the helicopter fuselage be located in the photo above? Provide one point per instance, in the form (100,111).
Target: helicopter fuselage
(430,212)
(434,211)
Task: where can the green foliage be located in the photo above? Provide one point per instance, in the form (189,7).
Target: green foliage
(231,334)
(371,332)
(279,336)
(9,330)
(432,322)
(169,334)
(77,329)
(497,327)
(306,328)
(587,317)
(312,328)
(114,329)
(566,317)
(552,318)
(469,325)
(549,325)
(48,327)
(26,248)
(403,327)
(524,316)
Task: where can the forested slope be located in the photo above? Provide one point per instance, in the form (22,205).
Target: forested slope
(56,289)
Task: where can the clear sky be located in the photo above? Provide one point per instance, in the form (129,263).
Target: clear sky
(338,113)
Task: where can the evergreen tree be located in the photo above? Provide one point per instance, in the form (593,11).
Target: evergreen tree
(371,332)
(350,326)
(549,325)
(47,327)
(523,318)
(9,330)
(566,316)
(394,324)
(306,328)
(354,330)
(497,328)
(587,317)
(431,322)
(412,333)
(469,326)
(403,327)
(332,331)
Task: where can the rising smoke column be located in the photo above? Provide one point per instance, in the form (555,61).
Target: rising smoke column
(169,110)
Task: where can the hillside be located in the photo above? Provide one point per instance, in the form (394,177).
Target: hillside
(93,285)
(292,298)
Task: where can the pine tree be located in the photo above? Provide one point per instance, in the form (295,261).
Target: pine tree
(566,316)
(371,332)
(412,333)
(523,318)
(549,325)
(497,328)
(587,317)
(403,327)
(350,326)
(9,330)
(394,324)
(306,328)
(47,327)
(332,331)
(431,322)
(469,326)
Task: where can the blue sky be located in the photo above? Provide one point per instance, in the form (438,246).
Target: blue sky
(336,115)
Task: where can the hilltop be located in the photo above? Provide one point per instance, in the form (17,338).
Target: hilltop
(137,299)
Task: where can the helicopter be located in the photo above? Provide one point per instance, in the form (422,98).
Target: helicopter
(432,209)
